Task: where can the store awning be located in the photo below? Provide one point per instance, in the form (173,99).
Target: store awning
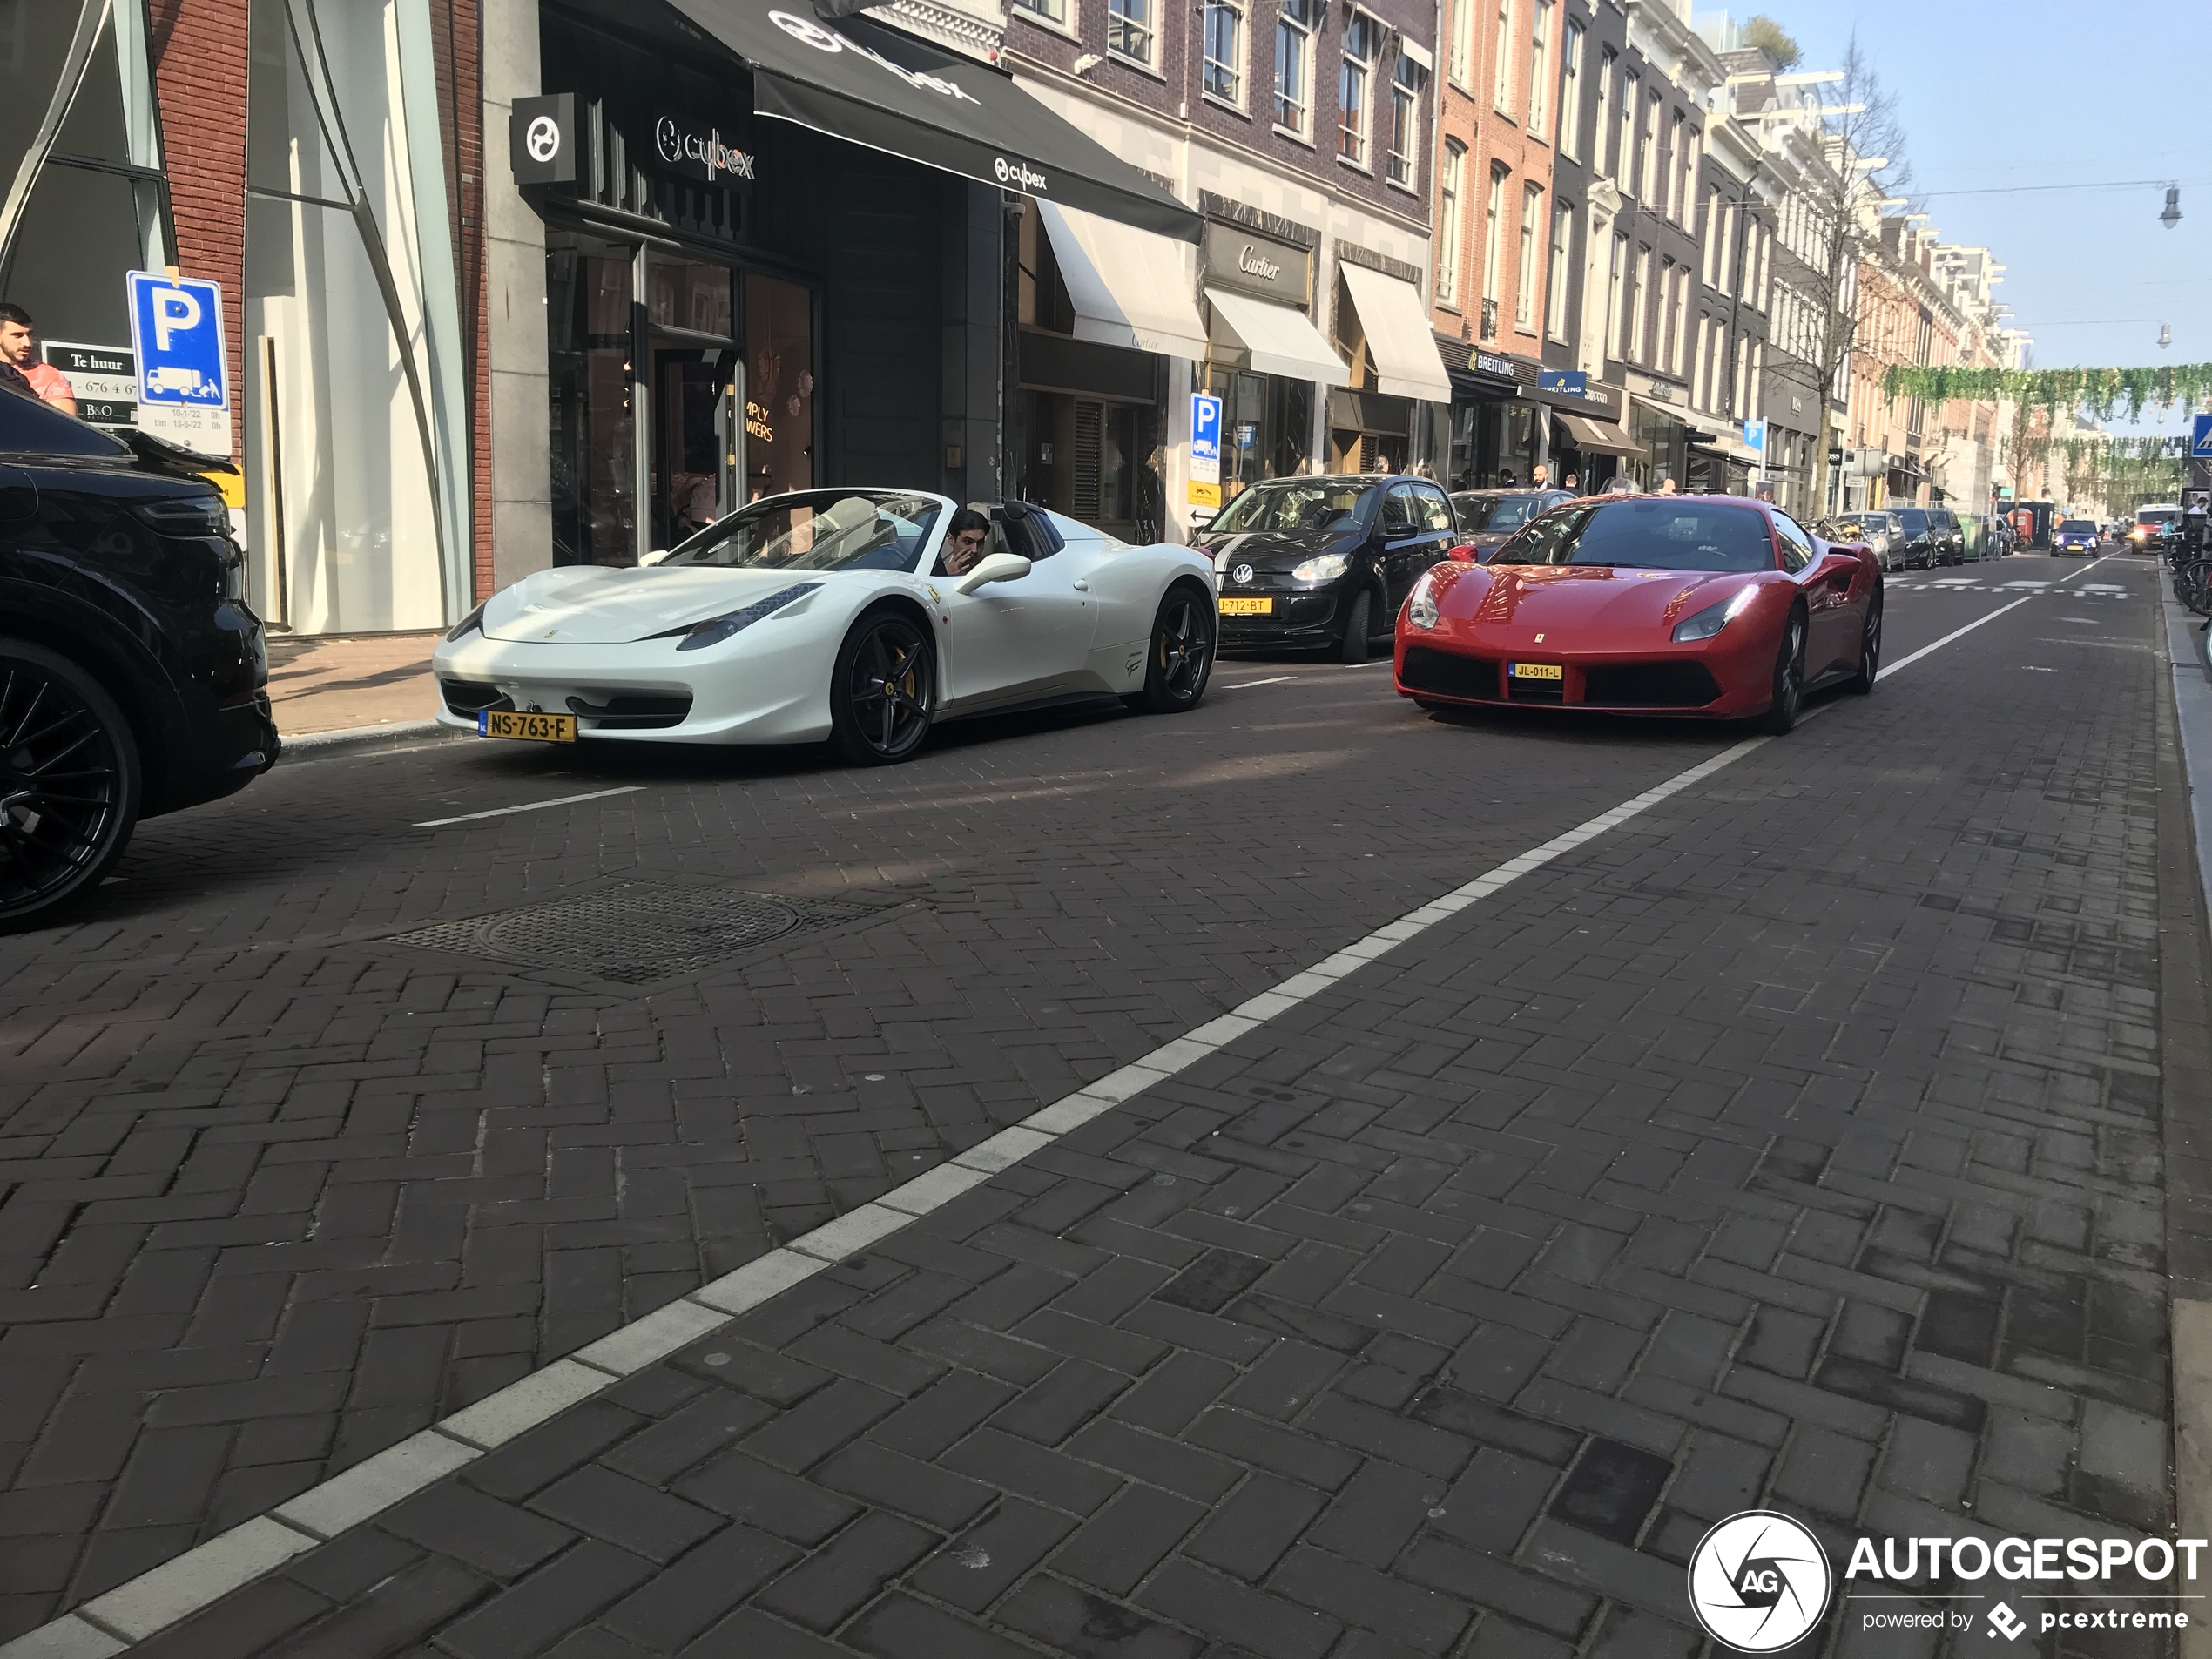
(1594,438)
(857,80)
(1400,340)
(1279,338)
(1130,287)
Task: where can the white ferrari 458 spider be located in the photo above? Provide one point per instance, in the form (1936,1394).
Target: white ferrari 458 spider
(828,614)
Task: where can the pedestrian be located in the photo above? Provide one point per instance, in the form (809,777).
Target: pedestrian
(1538,475)
(1668,487)
(19,351)
(1571,484)
(1422,469)
(1506,480)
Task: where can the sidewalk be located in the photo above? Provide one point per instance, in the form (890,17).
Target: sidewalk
(343,682)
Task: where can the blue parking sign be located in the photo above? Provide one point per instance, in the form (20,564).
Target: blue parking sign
(1205,427)
(183,372)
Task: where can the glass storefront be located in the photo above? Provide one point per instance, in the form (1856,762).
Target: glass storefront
(588,287)
(1266,427)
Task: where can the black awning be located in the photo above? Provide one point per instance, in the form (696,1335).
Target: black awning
(856,80)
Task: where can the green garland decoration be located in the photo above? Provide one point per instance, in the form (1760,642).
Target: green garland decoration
(2103,391)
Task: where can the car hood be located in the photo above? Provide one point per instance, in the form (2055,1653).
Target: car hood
(1275,549)
(1519,601)
(588,604)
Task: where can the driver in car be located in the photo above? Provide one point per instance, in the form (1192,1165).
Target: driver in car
(968,537)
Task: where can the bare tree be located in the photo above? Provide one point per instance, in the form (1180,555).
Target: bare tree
(1851,163)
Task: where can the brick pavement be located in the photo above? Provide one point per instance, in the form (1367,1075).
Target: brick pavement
(1443,1317)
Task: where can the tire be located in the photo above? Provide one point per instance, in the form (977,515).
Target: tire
(883,690)
(57,843)
(1789,678)
(1869,648)
(1179,661)
(1358,626)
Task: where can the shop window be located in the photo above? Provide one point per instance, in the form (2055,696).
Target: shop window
(1294,26)
(779,387)
(1405,123)
(357,456)
(1362,42)
(1129,30)
(1224,65)
(588,296)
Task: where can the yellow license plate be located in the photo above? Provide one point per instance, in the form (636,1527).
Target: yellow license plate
(529,728)
(1247,607)
(1536,670)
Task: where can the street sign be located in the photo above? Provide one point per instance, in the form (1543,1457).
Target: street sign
(183,373)
(1205,451)
(2201,437)
(1571,382)
(541,139)
(1755,436)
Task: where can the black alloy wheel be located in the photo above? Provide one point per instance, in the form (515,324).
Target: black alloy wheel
(1359,625)
(1789,678)
(883,692)
(1181,659)
(69,782)
(1869,648)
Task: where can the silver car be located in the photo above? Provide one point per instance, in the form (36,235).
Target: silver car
(1883,532)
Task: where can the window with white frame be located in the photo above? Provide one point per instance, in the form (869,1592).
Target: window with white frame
(1697,387)
(1647,135)
(1463,64)
(1712,236)
(1570,93)
(1639,303)
(1492,227)
(1678,335)
(1131,31)
(1531,220)
(1405,123)
(1677,143)
(1693,163)
(1355,84)
(1295,21)
(1053,12)
(1616,308)
(1540,64)
(1667,275)
(1631,101)
(1601,129)
(1501,82)
(1556,289)
(1449,190)
(1225,64)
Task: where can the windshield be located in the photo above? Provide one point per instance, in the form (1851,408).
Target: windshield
(1648,532)
(2080,526)
(820,529)
(1318,504)
(2155,516)
(1862,526)
(1914,519)
(1494,515)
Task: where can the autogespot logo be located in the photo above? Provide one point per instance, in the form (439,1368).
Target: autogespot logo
(1758,1581)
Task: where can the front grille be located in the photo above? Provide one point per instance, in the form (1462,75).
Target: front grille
(635,711)
(1650,685)
(1448,674)
(470,697)
(1522,691)
(636,934)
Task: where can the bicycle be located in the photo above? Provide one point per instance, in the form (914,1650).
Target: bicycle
(2193,586)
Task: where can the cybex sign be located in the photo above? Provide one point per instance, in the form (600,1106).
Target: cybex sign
(822,39)
(678,146)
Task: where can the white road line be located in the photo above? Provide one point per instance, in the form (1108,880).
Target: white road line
(528,807)
(1246,686)
(2084,571)
(109,1622)
(1888,669)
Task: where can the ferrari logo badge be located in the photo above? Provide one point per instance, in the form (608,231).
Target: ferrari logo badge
(1540,639)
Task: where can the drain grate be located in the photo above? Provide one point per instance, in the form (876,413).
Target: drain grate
(637,933)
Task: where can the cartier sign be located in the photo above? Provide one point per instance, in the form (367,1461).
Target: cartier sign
(1237,256)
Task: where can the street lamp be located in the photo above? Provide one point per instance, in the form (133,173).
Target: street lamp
(2172,216)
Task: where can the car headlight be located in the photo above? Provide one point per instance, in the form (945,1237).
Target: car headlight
(472,623)
(192,516)
(1421,609)
(1713,618)
(697,635)
(1326,567)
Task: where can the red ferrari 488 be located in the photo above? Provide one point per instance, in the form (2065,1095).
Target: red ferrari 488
(1707,606)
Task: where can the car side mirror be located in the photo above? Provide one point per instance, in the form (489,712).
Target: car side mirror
(653,557)
(1466,553)
(994,567)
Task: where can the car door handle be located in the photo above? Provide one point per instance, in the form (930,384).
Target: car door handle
(1080,585)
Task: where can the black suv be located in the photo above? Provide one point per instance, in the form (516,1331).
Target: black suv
(1324,561)
(133,679)
(1930,537)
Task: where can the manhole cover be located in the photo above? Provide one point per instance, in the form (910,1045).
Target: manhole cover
(637,933)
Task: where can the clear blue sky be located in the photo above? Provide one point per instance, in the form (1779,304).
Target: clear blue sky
(2053,92)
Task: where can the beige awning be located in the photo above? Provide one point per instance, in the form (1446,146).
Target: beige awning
(1280,340)
(1595,437)
(1130,287)
(1400,343)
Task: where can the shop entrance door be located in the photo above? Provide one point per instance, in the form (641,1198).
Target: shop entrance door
(695,448)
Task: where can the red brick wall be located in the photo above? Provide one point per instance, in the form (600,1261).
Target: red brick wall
(199,54)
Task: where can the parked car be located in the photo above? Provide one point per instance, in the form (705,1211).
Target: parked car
(1707,606)
(2076,535)
(1324,562)
(1487,516)
(1931,536)
(832,614)
(1874,529)
(133,679)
